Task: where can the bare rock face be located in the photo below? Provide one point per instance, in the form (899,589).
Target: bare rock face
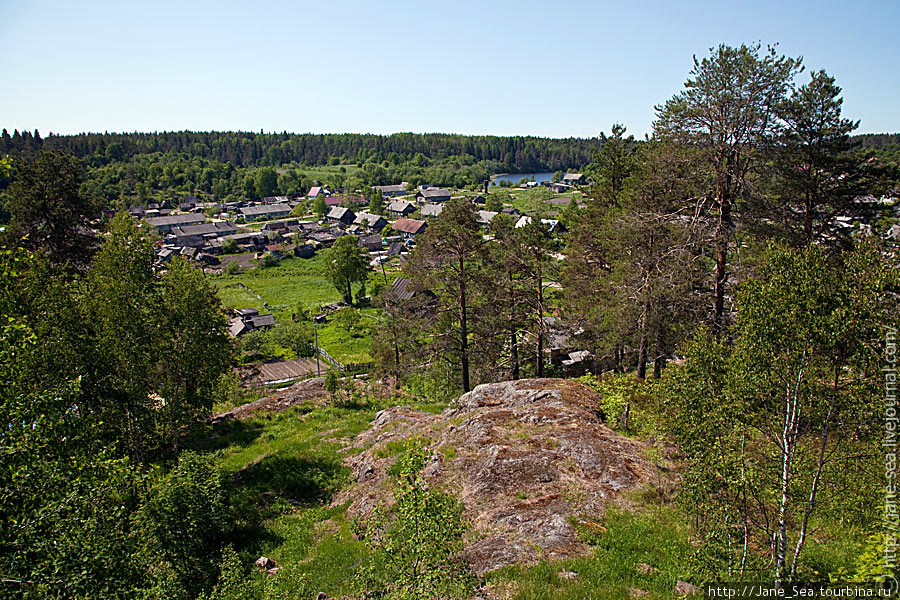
(525,457)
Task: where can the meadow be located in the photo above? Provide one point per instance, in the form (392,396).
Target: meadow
(295,285)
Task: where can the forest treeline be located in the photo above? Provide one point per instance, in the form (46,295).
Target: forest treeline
(244,149)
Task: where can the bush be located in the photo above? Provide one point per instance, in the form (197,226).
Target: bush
(186,521)
(416,541)
(432,385)
(269,260)
(230,246)
(618,393)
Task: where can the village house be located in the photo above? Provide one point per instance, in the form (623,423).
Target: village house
(370,222)
(431,211)
(315,192)
(165,224)
(249,319)
(553,225)
(399,208)
(574,179)
(484,217)
(189,203)
(280,225)
(304,250)
(251,239)
(262,211)
(433,195)
(339,214)
(560,188)
(325,237)
(198,235)
(372,243)
(409,228)
(389,191)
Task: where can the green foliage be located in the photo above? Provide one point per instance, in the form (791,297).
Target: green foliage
(319,206)
(296,337)
(755,417)
(493,203)
(348,319)
(620,542)
(49,210)
(332,382)
(140,322)
(230,246)
(432,384)
(266,182)
(348,264)
(268,260)
(64,497)
(416,540)
(617,392)
(187,519)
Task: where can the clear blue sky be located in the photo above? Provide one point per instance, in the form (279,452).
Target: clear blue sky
(558,69)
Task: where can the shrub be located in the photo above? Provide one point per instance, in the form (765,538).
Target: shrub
(617,394)
(416,541)
(186,521)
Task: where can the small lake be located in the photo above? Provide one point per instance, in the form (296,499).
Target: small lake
(515,178)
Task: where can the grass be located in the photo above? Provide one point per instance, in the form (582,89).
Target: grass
(529,201)
(300,282)
(290,463)
(657,538)
(280,288)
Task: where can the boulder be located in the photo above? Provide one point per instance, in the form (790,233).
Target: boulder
(683,588)
(646,569)
(567,575)
(265,563)
(525,458)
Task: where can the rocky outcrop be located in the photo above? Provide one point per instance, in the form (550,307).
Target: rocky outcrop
(526,458)
(298,393)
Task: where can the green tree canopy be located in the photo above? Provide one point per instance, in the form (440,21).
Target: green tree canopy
(347,264)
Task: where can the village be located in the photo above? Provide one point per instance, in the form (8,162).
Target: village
(233,239)
(228,239)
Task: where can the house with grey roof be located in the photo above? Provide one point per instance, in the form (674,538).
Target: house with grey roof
(484,217)
(431,210)
(399,208)
(166,223)
(265,211)
(198,235)
(433,195)
(389,191)
(370,222)
(340,214)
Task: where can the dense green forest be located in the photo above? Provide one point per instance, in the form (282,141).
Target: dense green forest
(126,169)
(137,168)
(736,298)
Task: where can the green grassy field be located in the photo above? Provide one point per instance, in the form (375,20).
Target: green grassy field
(280,288)
(529,201)
(298,282)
